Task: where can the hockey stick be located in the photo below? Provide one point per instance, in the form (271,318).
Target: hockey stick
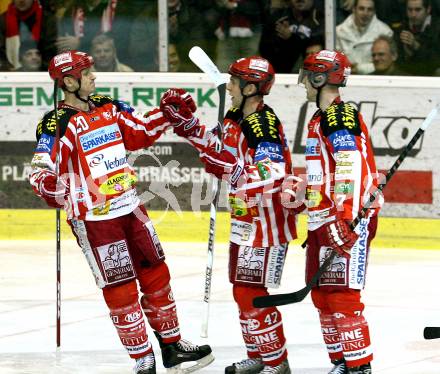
(205,64)
(58,214)
(298,296)
(431,333)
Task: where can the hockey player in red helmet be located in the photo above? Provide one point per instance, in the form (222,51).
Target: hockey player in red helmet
(254,160)
(341,174)
(96,187)
(328,69)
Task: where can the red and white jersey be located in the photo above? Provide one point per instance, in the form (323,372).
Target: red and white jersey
(258,218)
(93,155)
(341,171)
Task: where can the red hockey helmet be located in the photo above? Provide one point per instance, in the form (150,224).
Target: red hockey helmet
(326,67)
(256,70)
(69,63)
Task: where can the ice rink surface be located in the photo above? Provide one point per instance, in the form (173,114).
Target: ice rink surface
(402,297)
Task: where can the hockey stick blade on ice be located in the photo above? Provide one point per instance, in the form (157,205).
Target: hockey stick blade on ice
(298,296)
(431,333)
(205,64)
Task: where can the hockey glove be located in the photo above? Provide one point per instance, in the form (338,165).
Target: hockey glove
(179,112)
(340,237)
(223,165)
(52,189)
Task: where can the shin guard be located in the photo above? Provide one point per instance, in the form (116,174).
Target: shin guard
(331,336)
(264,327)
(160,310)
(355,339)
(130,325)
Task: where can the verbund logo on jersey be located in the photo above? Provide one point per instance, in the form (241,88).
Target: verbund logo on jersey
(96,138)
(107,160)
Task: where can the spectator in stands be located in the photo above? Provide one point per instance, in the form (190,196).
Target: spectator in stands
(384,54)
(343,9)
(25,21)
(314,46)
(239,31)
(81,20)
(173,58)
(104,54)
(30,57)
(418,38)
(135,32)
(287,32)
(355,36)
(185,33)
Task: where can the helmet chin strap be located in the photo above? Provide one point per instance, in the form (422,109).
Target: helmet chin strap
(76,93)
(318,96)
(245,97)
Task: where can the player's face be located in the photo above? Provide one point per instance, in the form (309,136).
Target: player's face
(87,82)
(363,13)
(416,12)
(233,87)
(311,92)
(382,56)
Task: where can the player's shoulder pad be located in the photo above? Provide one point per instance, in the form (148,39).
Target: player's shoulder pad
(262,126)
(234,114)
(340,116)
(47,125)
(100,100)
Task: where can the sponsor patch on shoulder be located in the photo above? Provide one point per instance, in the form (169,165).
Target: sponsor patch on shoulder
(342,140)
(45,144)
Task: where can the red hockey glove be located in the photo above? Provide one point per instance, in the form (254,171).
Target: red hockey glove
(223,165)
(53,191)
(340,237)
(180,113)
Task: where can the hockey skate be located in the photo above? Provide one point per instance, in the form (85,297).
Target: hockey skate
(339,367)
(175,354)
(145,365)
(363,369)
(282,368)
(246,366)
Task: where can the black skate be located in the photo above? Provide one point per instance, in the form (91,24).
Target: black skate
(363,369)
(282,368)
(339,367)
(175,354)
(145,365)
(246,366)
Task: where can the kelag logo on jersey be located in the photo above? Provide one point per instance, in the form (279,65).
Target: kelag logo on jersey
(99,137)
(45,144)
(342,140)
(271,150)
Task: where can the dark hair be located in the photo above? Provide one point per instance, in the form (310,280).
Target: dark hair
(26,45)
(426,3)
(357,1)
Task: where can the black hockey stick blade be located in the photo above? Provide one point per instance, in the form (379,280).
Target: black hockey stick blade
(431,333)
(293,297)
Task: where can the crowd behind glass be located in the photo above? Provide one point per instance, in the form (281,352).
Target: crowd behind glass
(386,37)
